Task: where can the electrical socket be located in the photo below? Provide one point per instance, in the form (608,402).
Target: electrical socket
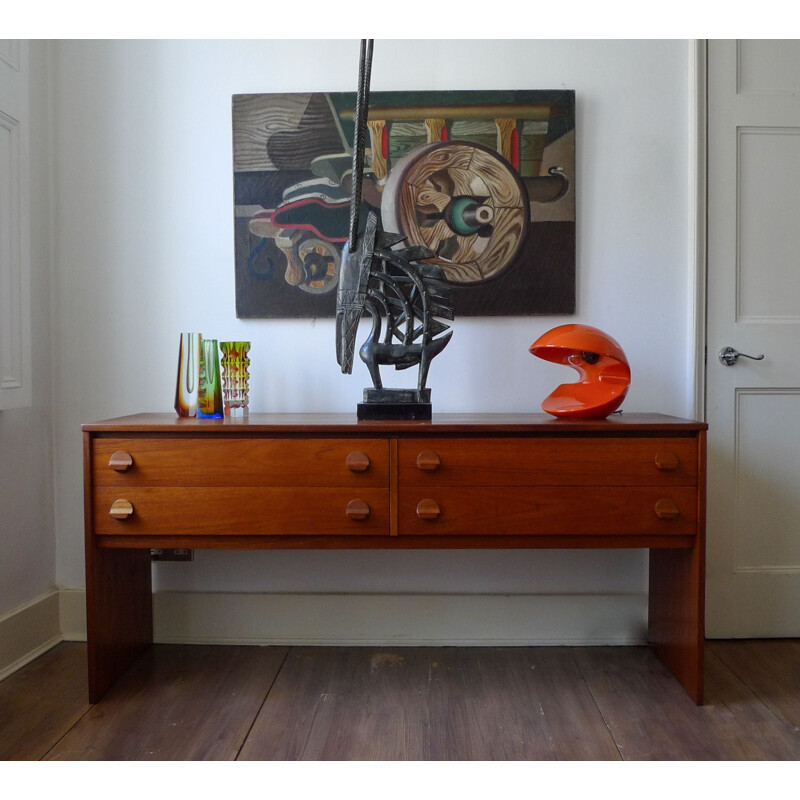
(174,554)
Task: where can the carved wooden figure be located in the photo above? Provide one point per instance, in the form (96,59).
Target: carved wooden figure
(403,296)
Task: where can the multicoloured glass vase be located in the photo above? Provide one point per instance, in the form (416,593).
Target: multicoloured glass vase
(209,401)
(187,384)
(235,377)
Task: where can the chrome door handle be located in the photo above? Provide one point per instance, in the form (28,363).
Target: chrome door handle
(729,356)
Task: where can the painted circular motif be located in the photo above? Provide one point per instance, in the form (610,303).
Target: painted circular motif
(463,202)
(319,261)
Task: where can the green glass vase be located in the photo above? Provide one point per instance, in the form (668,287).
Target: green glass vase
(209,401)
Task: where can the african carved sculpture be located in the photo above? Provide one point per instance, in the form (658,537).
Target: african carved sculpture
(403,295)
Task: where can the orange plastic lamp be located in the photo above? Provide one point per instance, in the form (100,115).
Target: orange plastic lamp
(599,360)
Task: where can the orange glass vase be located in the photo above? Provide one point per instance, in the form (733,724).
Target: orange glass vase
(599,360)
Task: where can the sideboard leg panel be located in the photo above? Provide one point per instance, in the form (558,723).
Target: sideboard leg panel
(119,613)
(677,615)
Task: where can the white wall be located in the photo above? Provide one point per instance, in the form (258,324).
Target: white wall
(144,250)
(27,539)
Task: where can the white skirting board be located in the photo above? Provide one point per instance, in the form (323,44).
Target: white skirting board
(28,631)
(385,619)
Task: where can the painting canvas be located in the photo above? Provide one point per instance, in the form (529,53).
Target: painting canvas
(484,179)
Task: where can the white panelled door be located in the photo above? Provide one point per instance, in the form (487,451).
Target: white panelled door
(753,406)
(15,279)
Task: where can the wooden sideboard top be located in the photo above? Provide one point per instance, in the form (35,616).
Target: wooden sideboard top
(441,423)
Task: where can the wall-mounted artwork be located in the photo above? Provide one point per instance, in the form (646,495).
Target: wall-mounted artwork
(483,179)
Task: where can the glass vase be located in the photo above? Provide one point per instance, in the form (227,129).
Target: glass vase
(235,377)
(209,402)
(188,381)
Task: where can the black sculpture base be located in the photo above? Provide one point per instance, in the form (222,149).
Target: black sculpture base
(395,404)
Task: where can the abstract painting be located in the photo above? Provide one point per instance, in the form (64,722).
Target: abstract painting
(484,179)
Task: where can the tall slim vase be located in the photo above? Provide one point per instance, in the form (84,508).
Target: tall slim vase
(209,402)
(188,381)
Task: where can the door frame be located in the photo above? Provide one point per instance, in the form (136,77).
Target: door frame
(698,223)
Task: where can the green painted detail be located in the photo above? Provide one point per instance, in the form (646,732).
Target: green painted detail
(457,221)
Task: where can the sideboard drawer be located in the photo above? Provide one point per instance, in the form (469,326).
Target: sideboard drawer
(565,511)
(240,511)
(230,461)
(556,461)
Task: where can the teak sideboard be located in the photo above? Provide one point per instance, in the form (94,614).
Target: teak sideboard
(330,481)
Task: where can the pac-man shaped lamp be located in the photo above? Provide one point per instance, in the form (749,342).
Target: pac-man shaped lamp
(599,361)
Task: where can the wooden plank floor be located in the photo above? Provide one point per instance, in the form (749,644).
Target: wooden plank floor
(434,703)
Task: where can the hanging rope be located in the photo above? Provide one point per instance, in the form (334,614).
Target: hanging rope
(359,137)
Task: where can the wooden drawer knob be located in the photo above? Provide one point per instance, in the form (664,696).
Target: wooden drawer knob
(121,509)
(667,461)
(667,509)
(357,461)
(428,461)
(357,510)
(428,509)
(120,461)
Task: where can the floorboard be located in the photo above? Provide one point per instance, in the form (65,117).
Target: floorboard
(344,704)
(651,718)
(41,701)
(771,667)
(429,704)
(514,704)
(178,702)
